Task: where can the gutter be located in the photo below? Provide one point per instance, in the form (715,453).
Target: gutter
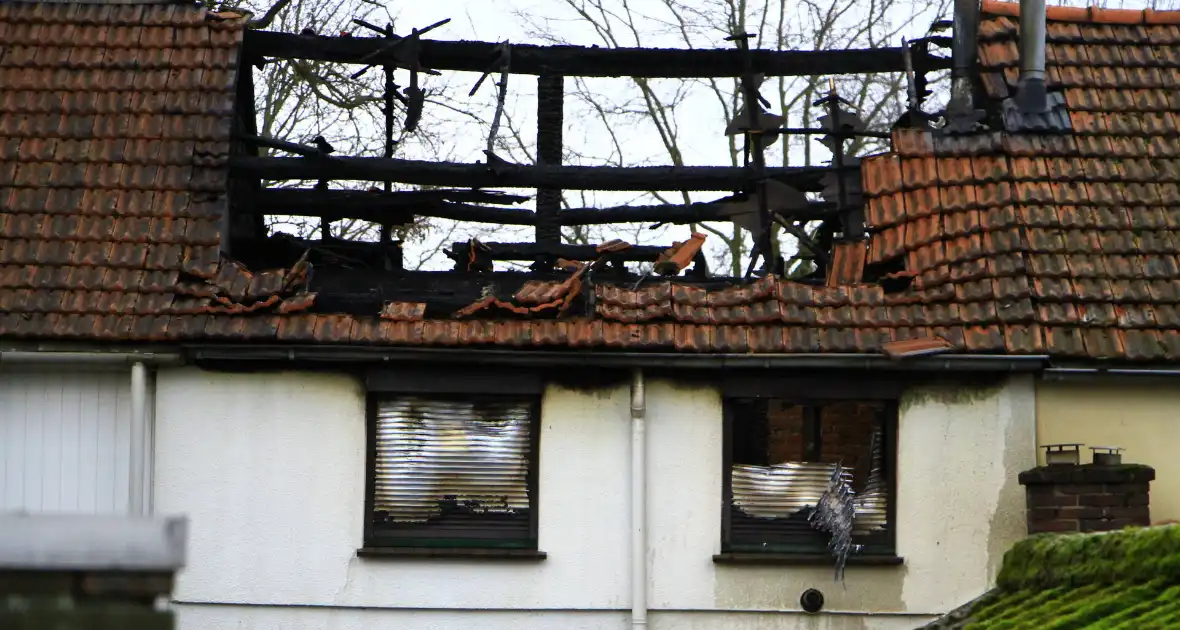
(484,609)
(1065,374)
(89,357)
(647,360)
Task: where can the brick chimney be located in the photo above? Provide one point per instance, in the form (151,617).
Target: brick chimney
(1087,497)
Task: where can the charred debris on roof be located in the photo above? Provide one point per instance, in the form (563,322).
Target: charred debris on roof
(368,277)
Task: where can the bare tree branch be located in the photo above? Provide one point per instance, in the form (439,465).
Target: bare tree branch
(269,16)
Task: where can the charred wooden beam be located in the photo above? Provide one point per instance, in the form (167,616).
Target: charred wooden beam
(805,178)
(530,251)
(390,91)
(290,147)
(282,250)
(399,213)
(580,60)
(274,200)
(679,214)
(659,213)
(399,207)
(550,111)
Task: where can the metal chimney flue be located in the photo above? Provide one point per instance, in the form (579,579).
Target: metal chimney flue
(963,51)
(1030,93)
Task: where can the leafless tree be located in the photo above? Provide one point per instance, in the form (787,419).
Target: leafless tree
(298,100)
(672,111)
(683,119)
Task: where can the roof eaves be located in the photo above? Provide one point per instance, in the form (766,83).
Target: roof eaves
(654,360)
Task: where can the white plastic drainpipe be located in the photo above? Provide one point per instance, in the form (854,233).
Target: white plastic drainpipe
(138,438)
(638,501)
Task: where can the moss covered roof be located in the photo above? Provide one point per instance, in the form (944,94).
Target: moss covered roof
(1129,579)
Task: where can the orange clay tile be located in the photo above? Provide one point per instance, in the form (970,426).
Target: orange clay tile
(881,174)
(992,242)
(848,261)
(403,311)
(680,255)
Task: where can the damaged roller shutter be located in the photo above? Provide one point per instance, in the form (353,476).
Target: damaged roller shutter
(785,456)
(453,472)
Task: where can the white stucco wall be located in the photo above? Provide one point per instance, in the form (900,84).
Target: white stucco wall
(270,469)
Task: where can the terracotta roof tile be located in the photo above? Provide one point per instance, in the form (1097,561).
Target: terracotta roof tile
(1012,243)
(97,171)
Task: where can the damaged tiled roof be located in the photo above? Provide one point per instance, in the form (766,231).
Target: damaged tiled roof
(1069,238)
(1016,242)
(1065,242)
(114,134)
(1122,579)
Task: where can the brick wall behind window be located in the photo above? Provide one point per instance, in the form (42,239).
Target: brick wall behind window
(785,424)
(846,433)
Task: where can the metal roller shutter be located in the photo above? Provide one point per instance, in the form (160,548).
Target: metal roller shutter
(452,469)
(65,441)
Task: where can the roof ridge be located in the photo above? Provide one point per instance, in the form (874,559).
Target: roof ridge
(1135,554)
(1093,14)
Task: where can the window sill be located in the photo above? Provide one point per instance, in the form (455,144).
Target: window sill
(799,559)
(444,552)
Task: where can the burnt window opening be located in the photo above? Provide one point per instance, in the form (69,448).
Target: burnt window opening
(780,456)
(453,472)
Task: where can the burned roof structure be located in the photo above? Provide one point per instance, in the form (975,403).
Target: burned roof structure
(1040,218)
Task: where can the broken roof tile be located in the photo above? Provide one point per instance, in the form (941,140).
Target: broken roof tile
(848,260)
(403,311)
(678,257)
(1011,242)
(913,143)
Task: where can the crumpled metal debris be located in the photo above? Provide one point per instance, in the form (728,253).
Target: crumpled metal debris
(834,513)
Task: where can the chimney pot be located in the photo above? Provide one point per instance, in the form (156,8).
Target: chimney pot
(1031,94)
(964,48)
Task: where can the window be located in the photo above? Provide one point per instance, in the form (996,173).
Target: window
(450,471)
(781,455)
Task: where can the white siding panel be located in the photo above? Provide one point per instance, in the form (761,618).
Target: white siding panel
(65,441)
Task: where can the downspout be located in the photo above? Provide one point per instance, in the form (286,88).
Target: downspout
(638,501)
(1030,92)
(963,51)
(139,426)
(149,420)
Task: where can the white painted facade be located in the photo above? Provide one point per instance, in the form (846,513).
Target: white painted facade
(65,439)
(270,470)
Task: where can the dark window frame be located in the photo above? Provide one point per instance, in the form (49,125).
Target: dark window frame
(881,548)
(462,385)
